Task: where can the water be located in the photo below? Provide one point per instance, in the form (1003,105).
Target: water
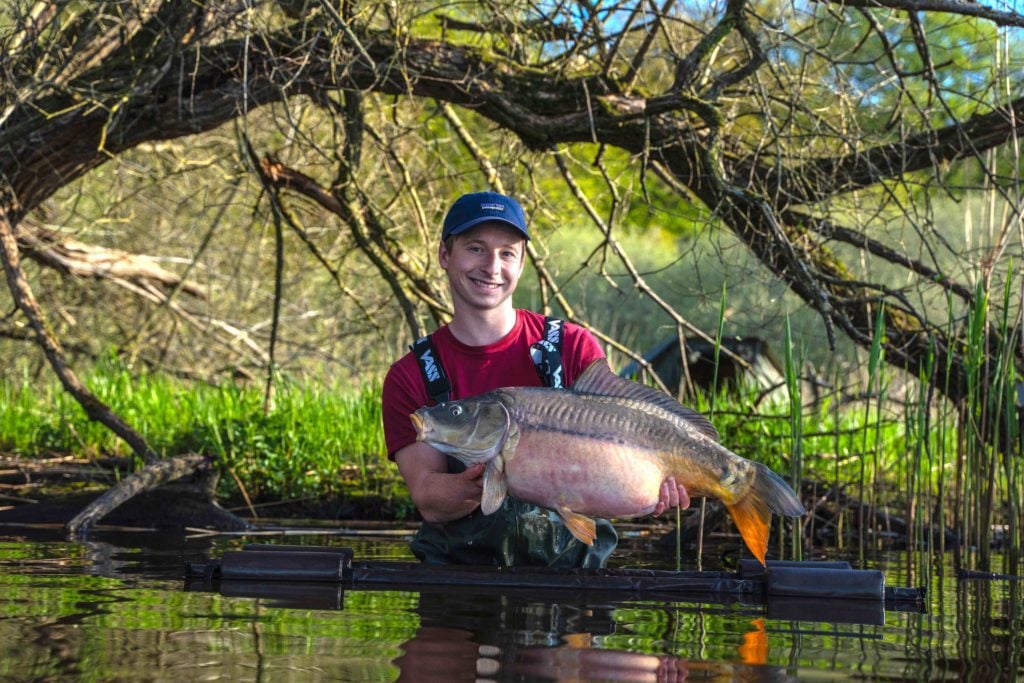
(118,608)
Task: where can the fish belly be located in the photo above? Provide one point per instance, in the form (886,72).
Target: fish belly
(589,476)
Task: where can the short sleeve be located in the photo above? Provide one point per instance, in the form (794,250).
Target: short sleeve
(401,396)
(579,349)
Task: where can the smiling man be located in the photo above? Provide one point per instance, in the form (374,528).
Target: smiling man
(487,345)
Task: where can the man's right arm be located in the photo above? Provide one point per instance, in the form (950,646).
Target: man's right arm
(438,495)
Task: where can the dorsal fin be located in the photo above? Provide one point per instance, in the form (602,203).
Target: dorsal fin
(598,379)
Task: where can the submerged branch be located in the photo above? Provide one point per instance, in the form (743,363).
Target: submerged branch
(146,479)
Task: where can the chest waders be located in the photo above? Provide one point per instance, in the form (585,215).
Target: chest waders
(517,533)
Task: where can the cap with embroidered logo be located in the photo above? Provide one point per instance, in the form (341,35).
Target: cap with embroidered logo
(475,208)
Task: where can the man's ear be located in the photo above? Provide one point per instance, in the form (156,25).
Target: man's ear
(442,256)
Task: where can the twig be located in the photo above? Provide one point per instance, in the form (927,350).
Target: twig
(17,499)
(303,531)
(641,52)
(270,503)
(275,203)
(245,494)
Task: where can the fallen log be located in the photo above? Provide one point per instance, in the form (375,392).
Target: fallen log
(170,508)
(148,478)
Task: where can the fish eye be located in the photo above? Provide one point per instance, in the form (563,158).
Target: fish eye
(456,411)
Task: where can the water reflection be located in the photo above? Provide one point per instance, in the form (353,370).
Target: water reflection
(483,636)
(444,654)
(114,609)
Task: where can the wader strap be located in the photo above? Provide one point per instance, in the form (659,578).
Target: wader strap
(547,354)
(434,378)
(439,389)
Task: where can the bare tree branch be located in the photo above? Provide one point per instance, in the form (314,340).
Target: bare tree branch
(78,259)
(966,8)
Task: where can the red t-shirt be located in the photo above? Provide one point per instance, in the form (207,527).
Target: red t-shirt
(474,370)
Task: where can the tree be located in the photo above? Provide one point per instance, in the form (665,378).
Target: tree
(803,128)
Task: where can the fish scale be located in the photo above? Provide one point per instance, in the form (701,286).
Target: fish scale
(617,421)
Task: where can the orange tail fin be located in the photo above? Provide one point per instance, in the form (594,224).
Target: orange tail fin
(752,513)
(752,518)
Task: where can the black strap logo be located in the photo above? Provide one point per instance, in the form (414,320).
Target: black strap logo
(430,368)
(547,354)
(434,378)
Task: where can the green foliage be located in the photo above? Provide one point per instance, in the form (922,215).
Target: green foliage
(315,441)
(831,433)
(639,204)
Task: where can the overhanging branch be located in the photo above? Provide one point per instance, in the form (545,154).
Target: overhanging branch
(78,259)
(966,8)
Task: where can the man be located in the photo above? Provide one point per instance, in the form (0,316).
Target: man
(486,345)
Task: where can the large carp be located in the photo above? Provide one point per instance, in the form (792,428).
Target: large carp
(602,449)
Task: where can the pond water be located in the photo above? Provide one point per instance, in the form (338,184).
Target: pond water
(119,608)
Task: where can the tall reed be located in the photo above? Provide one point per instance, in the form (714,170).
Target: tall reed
(974,427)
(796,419)
(711,413)
(875,382)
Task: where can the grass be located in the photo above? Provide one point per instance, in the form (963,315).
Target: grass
(316,441)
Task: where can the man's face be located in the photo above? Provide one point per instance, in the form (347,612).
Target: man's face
(484,265)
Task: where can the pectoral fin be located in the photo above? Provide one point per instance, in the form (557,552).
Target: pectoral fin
(582,527)
(495,485)
(508,448)
(495,482)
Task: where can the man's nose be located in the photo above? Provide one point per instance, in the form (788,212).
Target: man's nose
(492,263)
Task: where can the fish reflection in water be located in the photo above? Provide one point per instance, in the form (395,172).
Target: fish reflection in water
(448,654)
(494,637)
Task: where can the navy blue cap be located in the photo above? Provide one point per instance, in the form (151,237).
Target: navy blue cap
(483,207)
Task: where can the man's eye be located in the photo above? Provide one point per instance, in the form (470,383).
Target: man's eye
(456,410)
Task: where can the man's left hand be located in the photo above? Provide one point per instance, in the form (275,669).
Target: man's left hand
(671,495)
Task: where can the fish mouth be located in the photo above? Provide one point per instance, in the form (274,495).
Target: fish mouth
(420,424)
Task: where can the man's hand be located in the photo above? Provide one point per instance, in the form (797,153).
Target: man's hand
(439,496)
(671,495)
(471,482)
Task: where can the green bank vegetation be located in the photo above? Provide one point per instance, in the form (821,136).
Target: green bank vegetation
(316,438)
(317,441)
